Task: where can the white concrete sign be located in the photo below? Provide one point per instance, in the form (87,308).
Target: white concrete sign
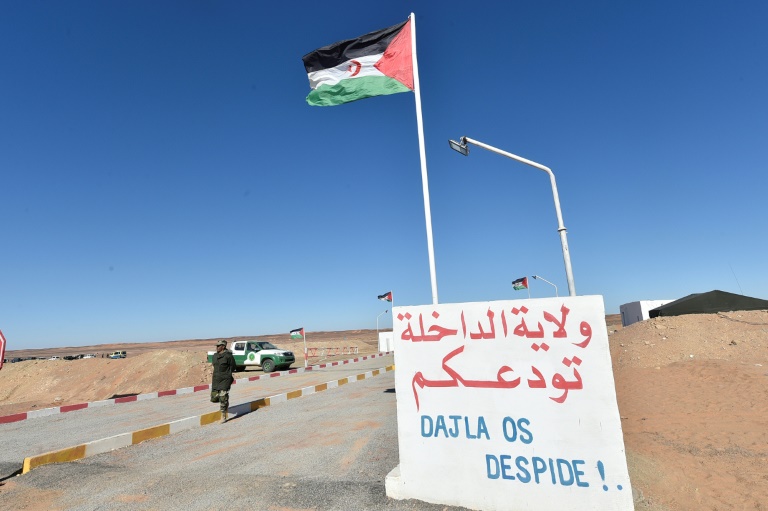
(508,405)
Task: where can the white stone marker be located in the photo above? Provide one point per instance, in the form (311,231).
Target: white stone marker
(508,405)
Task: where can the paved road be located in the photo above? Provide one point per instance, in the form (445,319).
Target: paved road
(43,434)
(327,451)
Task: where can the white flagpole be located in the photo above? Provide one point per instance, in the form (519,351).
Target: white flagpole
(392,308)
(305,347)
(423,156)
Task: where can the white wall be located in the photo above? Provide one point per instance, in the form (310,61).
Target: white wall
(386,342)
(508,405)
(638,311)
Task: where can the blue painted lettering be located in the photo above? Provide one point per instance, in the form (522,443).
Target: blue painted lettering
(454,432)
(505,466)
(578,473)
(511,426)
(539,467)
(563,480)
(505,425)
(561,471)
(426,420)
(493,471)
(466,428)
(482,429)
(440,426)
(525,435)
(452,426)
(522,475)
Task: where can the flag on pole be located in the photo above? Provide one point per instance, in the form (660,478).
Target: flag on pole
(375,64)
(378,63)
(519,284)
(387,297)
(297,334)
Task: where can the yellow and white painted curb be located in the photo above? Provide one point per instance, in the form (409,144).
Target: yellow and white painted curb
(44,412)
(103,445)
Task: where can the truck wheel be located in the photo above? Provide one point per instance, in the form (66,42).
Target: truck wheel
(268,365)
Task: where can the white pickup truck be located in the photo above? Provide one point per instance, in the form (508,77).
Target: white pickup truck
(260,354)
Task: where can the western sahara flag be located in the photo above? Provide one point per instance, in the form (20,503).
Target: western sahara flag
(375,64)
(519,284)
(386,296)
(297,334)
(2,349)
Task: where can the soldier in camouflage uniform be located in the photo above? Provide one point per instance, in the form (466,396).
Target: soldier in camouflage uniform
(223,367)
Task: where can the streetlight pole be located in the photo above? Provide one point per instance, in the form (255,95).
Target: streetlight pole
(377,324)
(462,148)
(545,280)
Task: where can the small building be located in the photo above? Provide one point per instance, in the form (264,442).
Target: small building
(386,342)
(638,311)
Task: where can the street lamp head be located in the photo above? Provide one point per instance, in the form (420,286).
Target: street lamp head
(535,276)
(460,146)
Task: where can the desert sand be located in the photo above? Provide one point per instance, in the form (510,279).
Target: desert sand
(692,393)
(148,367)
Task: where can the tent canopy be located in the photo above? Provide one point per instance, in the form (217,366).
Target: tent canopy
(708,303)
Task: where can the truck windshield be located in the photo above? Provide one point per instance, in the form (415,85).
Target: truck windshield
(267,346)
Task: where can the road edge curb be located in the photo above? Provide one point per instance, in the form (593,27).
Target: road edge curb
(44,412)
(111,443)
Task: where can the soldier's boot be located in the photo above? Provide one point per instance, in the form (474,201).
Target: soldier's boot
(223,417)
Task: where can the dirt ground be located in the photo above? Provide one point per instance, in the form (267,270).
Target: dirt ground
(692,394)
(148,367)
(693,397)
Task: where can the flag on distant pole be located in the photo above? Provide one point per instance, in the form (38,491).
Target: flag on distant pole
(375,64)
(387,297)
(299,334)
(519,284)
(2,348)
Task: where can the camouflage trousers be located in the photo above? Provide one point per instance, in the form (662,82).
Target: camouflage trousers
(221,397)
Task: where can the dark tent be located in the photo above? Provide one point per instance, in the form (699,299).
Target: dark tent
(709,303)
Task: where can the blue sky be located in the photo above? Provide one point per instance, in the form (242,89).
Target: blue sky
(163,177)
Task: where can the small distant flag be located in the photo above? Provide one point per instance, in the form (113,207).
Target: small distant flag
(2,348)
(519,284)
(387,297)
(297,334)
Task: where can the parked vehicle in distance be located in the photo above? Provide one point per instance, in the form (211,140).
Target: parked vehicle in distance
(260,354)
(89,356)
(16,359)
(55,358)
(118,354)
